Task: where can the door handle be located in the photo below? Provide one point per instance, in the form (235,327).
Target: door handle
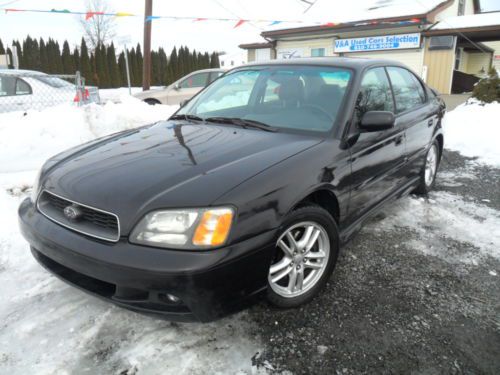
(430,122)
(398,140)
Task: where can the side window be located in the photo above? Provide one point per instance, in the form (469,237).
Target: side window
(215,75)
(375,93)
(196,80)
(272,92)
(408,91)
(7,86)
(22,88)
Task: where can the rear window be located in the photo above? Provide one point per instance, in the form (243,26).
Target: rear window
(53,81)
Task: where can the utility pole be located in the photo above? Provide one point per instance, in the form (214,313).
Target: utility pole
(146,66)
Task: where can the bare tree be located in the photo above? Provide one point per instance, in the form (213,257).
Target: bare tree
(97,29)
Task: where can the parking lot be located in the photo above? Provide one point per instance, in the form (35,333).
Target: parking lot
(417,290)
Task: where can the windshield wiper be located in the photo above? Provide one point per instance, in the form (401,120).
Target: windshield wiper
(244,123)
(186,117)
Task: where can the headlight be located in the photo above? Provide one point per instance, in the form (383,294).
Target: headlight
(184,229)
(36,187)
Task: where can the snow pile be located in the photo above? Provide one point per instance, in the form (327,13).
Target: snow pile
(474,131)
(470,20)
(27,140)
(442,218)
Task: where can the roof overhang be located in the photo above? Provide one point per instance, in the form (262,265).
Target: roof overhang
(476,34)
(255,45)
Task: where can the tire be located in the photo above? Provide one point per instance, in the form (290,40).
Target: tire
(426,183)
(315,268)
(152,101)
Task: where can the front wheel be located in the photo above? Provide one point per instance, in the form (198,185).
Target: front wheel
(428,173)
(306,253)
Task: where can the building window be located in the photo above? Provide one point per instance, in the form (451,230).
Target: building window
(317,52)
(458,57)
(461,7)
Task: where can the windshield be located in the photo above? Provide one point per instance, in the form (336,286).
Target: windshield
(288,97)
(53,81)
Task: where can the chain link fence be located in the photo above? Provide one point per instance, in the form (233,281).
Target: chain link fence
(21,91)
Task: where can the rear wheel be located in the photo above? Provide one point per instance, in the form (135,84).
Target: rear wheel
(152,101)
(428,173)
(306,253)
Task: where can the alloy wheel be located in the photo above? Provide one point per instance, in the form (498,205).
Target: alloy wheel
(431,165)
(302,253)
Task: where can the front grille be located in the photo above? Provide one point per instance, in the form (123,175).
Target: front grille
(90,221)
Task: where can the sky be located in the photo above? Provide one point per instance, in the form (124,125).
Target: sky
(203,36)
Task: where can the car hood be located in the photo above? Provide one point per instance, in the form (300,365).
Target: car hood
(169,164)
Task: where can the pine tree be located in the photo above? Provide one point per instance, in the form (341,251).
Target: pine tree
(214,60)
(131,66)
(85,67)
(114,74)
(76,60)
(44,58)
(173,63)
(122,67)
(67,60)
(487,89)
(139,61)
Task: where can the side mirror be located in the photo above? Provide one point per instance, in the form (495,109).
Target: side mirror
(183,102)
(177,87)
(375,121)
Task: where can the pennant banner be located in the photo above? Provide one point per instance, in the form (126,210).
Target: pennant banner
(239,22)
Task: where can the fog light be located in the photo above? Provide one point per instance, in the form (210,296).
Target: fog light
(169,298)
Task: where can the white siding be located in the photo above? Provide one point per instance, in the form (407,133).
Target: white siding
(452,10)
(307,45)
(496,54)
(478,62)
(413,59)
(263,54)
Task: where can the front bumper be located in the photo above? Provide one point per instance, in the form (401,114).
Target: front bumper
(209,284)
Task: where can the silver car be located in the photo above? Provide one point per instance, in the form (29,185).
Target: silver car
(182,89)
(21,90)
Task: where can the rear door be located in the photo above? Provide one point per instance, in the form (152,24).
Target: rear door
(188,87)
(377,157)
(416,114)
(15,94)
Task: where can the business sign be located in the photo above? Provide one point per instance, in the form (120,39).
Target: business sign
(378,43)
(289,53)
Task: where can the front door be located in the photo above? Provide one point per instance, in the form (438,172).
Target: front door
(187,88)
(376,157)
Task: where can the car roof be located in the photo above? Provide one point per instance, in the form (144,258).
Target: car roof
(21,71)
(356,63)
(207,70)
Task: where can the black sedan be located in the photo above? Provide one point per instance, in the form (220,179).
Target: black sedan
(249,189)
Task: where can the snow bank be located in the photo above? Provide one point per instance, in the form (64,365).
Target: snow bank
(442,218)
(26,141)
(474,131)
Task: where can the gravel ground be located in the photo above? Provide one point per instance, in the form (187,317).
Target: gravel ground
(416,291)
(403,298)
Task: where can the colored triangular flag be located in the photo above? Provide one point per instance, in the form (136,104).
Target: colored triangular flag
(150,18)
(239,23)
